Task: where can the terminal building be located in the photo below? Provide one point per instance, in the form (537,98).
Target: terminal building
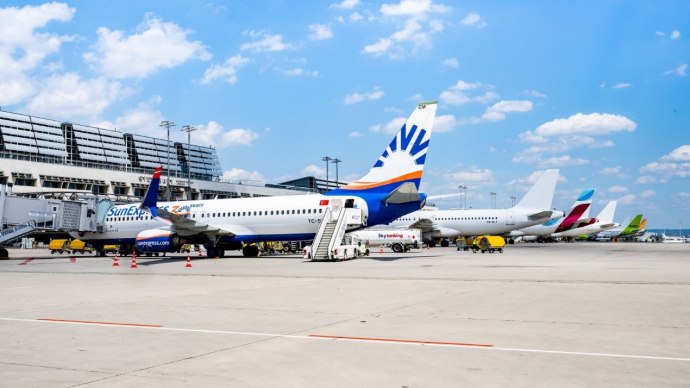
(48,158)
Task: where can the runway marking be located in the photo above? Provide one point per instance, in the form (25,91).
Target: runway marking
(25,262)
(322,337)
(96,322)
(396,340)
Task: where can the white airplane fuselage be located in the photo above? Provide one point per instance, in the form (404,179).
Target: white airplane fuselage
(474,222)
(287,218)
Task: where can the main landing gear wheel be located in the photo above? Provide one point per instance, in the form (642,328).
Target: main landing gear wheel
(250,251)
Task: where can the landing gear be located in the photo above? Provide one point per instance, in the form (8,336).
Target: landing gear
(250,251)
(444,243)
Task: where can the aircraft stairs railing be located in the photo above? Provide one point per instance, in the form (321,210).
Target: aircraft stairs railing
(332,232)
(17,232)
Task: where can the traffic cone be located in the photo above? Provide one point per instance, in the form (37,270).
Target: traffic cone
(116,262)
(199,251)
(381,250)
(134,261)
(189,262)
(72,259)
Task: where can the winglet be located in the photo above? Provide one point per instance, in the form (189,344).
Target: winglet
(151,197)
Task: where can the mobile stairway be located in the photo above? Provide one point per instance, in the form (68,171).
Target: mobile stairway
(328,243)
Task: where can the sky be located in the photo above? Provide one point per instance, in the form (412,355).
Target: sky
(598,89)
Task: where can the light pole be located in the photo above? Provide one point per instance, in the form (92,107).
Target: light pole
(512,199)
(327,159)
(493,200)
(463,201)
(336,161)
(167,124)
(189,130)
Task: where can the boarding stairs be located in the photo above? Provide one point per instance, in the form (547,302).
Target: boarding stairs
(17,232)
(332,231)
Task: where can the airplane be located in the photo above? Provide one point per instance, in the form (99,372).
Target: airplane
(629,229)
(533,208)
(602,222)
(388,191)
(561,224)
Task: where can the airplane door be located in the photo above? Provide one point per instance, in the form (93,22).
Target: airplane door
(509,218)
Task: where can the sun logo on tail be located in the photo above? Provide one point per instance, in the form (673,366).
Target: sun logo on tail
(408,144)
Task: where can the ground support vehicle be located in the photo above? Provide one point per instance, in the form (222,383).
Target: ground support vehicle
(398,240)
(489,244)
(59,245)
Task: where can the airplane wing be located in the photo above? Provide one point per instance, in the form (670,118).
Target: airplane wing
(536,216)
(425,224)
(186,226)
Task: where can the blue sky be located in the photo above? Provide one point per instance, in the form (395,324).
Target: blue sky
(598,89)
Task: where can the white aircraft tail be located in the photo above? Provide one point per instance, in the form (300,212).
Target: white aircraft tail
(606,214)
(540,195)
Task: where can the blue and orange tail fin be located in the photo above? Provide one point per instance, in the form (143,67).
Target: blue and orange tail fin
(402,162)
(150,202)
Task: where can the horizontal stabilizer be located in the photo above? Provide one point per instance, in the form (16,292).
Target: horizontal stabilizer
(536,216)
(407,192)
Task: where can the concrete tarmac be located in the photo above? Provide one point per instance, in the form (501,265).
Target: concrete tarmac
(538,315)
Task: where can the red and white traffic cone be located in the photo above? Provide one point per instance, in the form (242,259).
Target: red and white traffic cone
(116,262)
(381,250)
(134,261)
(189,262)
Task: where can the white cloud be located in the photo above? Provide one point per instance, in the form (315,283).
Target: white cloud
(591,124)
(680,71)
(647,193)
(563,161)
(527,182)
(355,17)
(617,170)
(68,96)
(474,176)
(415,28)
(23,49)
(415,8)
(238,174)
(622,85)
(674,164)
(675,34)
(535,93)
(354,98)
(320,32)
(226,71)
(144,119)
(497,112)
(392,127)
(617,189)
(356,134)
(159,45)
(445,123)
(314,170)
(298,72)
(451,62)
(213,135)
(266,43)
(680,154)
(647,179)
(474,19)
(628,199)
(457,94)
(345,4)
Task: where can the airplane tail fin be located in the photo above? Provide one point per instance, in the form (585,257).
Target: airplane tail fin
(540,195)
(635,223)
(606,214)
(150,202)
(576,211)
(398,171)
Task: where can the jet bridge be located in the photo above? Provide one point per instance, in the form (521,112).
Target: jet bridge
(20,216)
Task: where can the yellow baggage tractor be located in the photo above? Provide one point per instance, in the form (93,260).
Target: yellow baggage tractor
(79,246)
(58,245)
(491,243)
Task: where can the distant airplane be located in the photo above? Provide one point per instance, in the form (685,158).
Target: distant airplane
(602,222)
(388,191)
(561,224)
(534,208)
(624,230)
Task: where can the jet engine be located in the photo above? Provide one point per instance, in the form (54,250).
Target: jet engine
(157,240)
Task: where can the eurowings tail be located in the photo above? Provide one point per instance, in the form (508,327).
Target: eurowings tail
(398,171)
(540,195)
(577,210)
